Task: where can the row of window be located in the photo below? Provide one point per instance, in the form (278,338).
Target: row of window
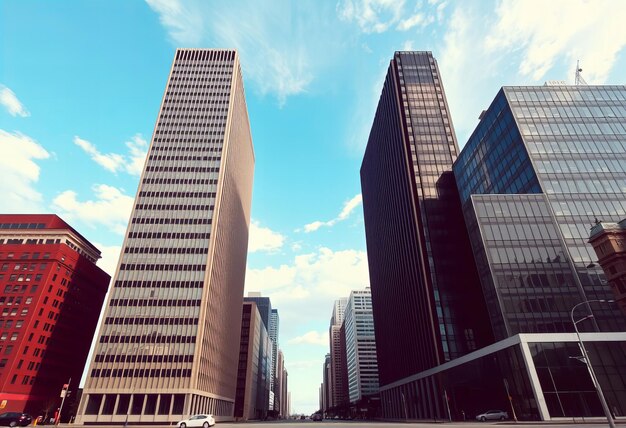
(22,226)
(185,158)
(13,312)
(584,186)
(162,180)
(174,207)
(148,321)
(153,194)
(182,168)
(169,235)
(177,147)
(144,358)
(160,266)
(565,94)
(574,128)
(175,373)
(148,338)
(28,255)
(14,300)
(159,284)
(155,302)
(161,250)
(171,220)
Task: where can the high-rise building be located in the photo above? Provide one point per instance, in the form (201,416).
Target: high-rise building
(168,341)
(253,377)
(325,388)
(361,358)
(275,385)
(279,393)
(271,320)
(541,166)
(286,401)
(51,293)
(609,242)
(338,386)
(425,288)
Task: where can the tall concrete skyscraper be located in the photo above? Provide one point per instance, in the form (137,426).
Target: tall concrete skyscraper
(338,380)
(425,288)
(168,344)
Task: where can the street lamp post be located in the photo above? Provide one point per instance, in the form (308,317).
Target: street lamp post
(585,358)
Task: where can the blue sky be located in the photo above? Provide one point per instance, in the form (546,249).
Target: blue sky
(81,83)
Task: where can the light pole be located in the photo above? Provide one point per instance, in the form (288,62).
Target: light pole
(585,358)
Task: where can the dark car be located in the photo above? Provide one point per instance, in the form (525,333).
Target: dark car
(13,419)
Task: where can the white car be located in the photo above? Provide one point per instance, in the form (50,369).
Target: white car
(492,415)
(204,421)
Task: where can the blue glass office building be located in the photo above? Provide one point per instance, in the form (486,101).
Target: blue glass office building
(542,166)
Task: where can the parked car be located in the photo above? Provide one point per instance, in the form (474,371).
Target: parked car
(204,421)
(13,419)
(316,417)
(492,415)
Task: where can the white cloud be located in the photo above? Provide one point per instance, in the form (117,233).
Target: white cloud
(263,238)
(311,338)
(277,53)
(9,100)
(522,46)
(413,21)
(324,274)
(372,16)
(110,256)
(348,207)
(184,25)
(20,172)
(110,208)
(592,31)
(114,162)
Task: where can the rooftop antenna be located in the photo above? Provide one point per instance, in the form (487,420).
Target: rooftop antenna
(579,79)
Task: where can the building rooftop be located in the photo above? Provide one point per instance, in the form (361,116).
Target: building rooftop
(602,226)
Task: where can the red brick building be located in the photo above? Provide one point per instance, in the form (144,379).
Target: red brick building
(609,242)
(51,293)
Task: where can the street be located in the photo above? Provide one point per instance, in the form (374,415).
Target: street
(375,424)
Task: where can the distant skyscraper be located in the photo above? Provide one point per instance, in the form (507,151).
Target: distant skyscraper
(168,344)
(325,390)
(425,289)
(361,346)
(271,321)
(253,378)
(51,293)
(275,386)
(338,387)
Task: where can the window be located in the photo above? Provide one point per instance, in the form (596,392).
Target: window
(14,337)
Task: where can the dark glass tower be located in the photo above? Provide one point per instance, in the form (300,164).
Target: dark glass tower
(426,297)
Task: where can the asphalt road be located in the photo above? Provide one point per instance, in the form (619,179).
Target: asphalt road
(370,424)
